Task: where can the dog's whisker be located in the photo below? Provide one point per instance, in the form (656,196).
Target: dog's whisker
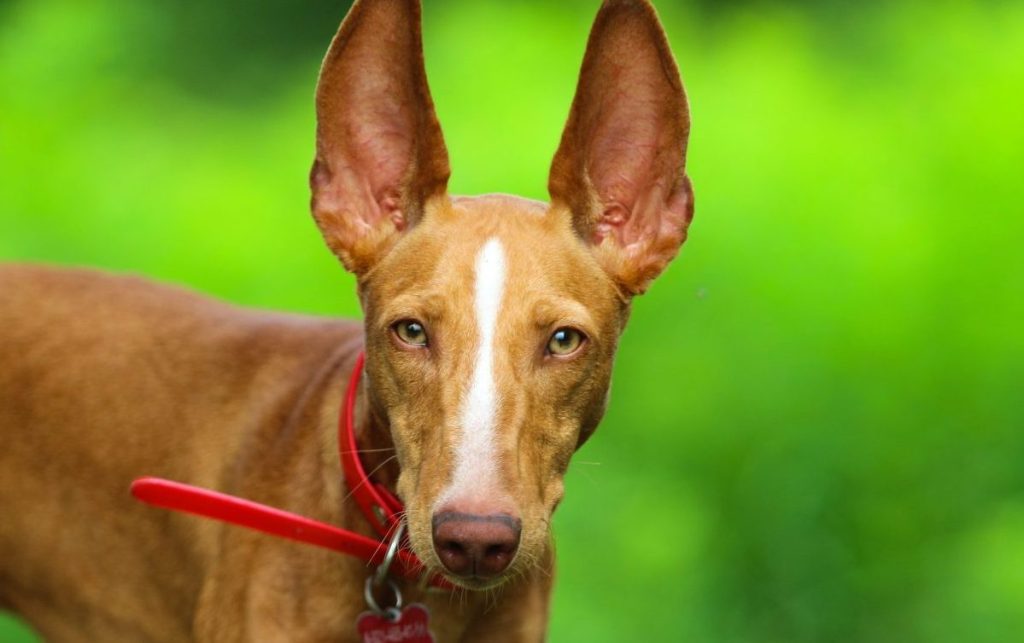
(368,476)
(381,450)
(591,479)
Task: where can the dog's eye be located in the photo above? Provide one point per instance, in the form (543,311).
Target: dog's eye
(565,341)
(411,332)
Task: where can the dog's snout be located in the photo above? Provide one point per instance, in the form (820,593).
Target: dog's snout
(472,545)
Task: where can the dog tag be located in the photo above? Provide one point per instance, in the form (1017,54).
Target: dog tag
(411,626)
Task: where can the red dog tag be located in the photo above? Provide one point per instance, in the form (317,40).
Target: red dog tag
(411,626)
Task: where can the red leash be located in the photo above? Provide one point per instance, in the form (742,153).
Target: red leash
(380,507)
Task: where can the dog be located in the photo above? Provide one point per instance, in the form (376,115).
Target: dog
(490,326)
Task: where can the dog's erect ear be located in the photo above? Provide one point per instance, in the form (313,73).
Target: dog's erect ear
(620,168)
(380,155)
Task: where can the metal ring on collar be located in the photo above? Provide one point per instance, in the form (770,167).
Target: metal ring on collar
(380,578)
(382,570)
(391,612)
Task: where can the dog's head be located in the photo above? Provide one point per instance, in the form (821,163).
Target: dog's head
(491,322)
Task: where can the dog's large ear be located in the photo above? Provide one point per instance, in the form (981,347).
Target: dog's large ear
(380,155)
(620,168)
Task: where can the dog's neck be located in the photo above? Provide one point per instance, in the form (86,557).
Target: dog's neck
(373,438)
(374,443)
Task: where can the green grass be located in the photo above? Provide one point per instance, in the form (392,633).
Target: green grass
(816,423)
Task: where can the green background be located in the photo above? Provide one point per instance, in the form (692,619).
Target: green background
(817,421)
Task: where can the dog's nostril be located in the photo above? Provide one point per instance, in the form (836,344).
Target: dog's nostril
(452,549)
(454,557)
(497,550)
(472,545)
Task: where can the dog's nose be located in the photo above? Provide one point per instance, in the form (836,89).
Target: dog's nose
(474,545)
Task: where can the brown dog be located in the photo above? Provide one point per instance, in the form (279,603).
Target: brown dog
(490,327)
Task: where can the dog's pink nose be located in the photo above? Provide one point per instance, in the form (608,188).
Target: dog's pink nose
(471,545)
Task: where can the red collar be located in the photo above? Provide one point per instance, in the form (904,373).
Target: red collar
(380,507)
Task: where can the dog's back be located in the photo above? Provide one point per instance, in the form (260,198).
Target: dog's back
(106,378)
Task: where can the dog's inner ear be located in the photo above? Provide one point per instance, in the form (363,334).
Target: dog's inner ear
(380,154)
(620,167)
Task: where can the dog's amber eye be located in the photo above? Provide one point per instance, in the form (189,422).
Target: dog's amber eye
(411,332)
(565,341)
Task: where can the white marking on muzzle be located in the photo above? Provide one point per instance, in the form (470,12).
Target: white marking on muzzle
(475,455)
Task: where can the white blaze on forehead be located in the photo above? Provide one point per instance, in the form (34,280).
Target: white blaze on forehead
(475,454)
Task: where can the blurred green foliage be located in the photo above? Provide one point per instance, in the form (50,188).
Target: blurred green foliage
(817,426)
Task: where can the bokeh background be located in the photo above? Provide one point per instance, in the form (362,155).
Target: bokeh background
(817,425)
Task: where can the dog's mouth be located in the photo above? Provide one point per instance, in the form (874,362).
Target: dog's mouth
(474,582)
(477,583)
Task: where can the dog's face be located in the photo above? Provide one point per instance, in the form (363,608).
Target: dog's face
(490,335)
(492,322)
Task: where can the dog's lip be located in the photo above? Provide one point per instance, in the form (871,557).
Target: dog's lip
(477,583)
